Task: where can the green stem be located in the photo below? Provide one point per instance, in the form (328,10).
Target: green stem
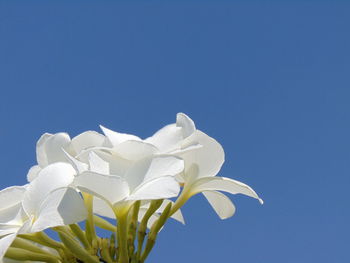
(74,247)
(121,232)
(24,255)
(105,251)
(80,235)
(90,227)
(43,239)
(152,236)
(155,204)
(181,200)
(28,245)
(104,224)
(132,227)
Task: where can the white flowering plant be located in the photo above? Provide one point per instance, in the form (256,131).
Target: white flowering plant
(114,181)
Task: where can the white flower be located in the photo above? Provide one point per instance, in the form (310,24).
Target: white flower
(198,150)
(46,202)
(147,179)
(168,140)
(203,157)
(51,148)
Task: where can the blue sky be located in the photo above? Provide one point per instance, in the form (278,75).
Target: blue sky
(269,80)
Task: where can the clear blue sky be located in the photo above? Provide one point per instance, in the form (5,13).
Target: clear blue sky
(269,80)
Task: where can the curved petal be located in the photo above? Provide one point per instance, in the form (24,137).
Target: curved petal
(223,184)
(41,151)
(63,206)
(116,138)
(33,172)
(87,140)
(77,165)
(12,215)
(220,203)
(117,164)
(102,208)
(53,146)
(209,157)
(150,168)
(6,229)
(5,243)
(135,150)
(108,187)
(164,165)
(50,178)
(158,188)
(97,164)
(166,139)
(186,123)
(170,137)
(11,196)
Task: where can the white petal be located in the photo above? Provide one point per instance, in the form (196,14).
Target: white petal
(151,168)
(167,139)
(5,243)
(97,164)
(102,208)
(108,187)
(159,188)
(53,147)
(220,203)
(50,178)
(33,172)
(62,207)
(185,147)
(186,123)
(135,150)
(117,164)
(77,165)
(6,229)
(164,165)
(170,137)
(223,184)
(87,140)
(12,214)
(209,157)
(116,138)
(11,196)
(41,151)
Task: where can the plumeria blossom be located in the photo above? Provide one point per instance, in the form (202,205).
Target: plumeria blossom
(46,202)
(203,157)
(137,184)
(52,148)
(147,179)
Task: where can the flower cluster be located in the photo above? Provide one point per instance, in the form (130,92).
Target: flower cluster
(105,178)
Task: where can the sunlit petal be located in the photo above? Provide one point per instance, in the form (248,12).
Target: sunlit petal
(209,157)
(62,207)
(220,203)
(116,138)
(108,187)
(223,184)
(159,188)
(53,146)
(97,164)
(87,140)
(50,178)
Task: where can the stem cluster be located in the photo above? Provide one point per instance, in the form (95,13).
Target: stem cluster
(130,241)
